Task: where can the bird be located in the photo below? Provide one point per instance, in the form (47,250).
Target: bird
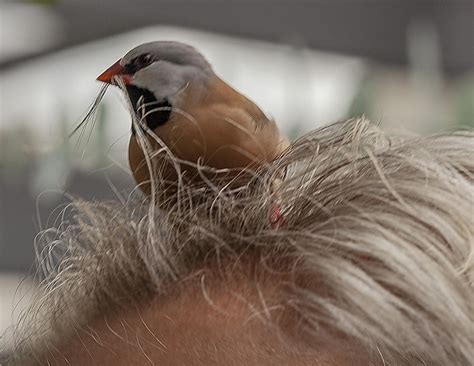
(180,102)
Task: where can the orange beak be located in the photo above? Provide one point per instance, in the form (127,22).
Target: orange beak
(116,70)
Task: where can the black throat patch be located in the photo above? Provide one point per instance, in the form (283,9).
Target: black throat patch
(157,112)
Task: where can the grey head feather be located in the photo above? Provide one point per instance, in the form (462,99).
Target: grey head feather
(174,52)
(173,65)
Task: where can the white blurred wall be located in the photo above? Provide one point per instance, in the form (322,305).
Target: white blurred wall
(15,295)
(292,85)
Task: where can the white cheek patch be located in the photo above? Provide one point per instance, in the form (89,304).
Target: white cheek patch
(167,80)
(161,78)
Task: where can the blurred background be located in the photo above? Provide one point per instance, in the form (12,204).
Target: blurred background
(407,65)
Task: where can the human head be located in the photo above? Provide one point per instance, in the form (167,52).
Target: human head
(373,264)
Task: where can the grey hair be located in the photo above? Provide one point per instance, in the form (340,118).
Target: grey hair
(377,234)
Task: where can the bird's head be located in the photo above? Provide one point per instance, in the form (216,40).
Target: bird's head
(153,75)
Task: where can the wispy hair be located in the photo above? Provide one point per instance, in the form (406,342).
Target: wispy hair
(377,238)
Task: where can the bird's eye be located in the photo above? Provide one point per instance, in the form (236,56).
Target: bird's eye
(145,60)
(139,63)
